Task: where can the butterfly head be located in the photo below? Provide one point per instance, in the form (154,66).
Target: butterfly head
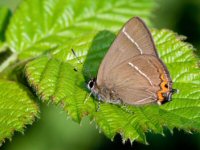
(91,84)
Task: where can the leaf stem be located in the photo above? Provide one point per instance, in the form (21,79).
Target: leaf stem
(8,61)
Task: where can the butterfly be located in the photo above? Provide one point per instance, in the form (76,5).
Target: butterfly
(132,72)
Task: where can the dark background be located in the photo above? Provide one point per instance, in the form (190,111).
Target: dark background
(55,132)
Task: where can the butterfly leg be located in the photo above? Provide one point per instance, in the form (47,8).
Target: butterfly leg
(98,106)
(127,109)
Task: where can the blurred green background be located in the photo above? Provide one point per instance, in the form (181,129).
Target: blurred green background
(181,16)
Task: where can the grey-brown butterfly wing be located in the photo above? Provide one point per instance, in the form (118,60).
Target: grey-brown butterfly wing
(133,39)
(137,80)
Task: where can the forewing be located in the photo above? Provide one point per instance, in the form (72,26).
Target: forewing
(133,39)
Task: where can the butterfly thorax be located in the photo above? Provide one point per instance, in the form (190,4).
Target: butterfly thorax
(104,93)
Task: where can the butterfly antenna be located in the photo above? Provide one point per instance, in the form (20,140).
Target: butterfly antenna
(79,61)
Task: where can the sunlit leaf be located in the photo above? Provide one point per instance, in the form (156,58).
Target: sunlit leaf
(47,24)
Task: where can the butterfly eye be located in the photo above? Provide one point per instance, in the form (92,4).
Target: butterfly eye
(91,84)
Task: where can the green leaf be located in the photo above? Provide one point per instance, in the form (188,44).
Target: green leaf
(44,74)
(40,26)
(47,24)
(17,108)
(57,82)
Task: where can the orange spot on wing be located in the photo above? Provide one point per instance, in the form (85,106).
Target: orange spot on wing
(164,88)
(160,96)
